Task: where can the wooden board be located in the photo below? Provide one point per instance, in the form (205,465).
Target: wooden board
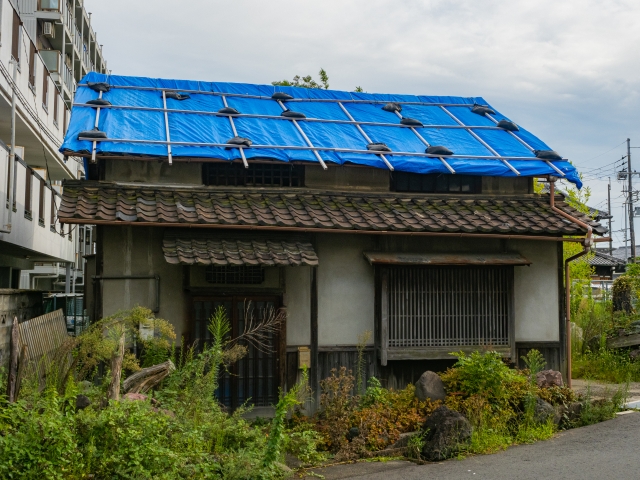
(624,341)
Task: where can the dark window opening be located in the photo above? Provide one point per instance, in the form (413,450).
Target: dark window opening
(55,107)
(235,275)
(45,89)
(15,37)
(27,192)
(258,174)
(435,183)
(32,65)
(41,204)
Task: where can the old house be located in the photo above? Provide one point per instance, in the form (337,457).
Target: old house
(413,217)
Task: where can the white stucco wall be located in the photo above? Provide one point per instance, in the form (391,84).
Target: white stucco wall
(298,303)
(345,288)
(536,293)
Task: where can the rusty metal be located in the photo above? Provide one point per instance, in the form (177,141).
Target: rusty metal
(461,259)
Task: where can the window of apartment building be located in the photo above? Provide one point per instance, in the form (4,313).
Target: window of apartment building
(64,120)
(258,174)
(55,107)
(32,65)
(15,37)
(53,211)
(41,204)
(28,183)
(45,89)
(435,183)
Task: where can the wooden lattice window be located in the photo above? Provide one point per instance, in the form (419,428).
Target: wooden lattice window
(258,174)
(435,183)
(235,275)
(429,312)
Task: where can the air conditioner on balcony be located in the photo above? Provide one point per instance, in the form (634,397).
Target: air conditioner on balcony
(48,30)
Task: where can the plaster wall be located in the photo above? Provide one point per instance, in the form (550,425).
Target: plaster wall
(138,251)
(153,172)
(297,300)
(345,288)
(355,178)
(536,292)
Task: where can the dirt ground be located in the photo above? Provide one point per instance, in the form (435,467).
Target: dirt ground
(602,390)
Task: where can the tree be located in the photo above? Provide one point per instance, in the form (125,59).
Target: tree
(309,82)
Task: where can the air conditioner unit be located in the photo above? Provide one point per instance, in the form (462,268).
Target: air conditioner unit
(48,30)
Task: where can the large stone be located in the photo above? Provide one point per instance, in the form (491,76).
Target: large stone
(82,402)
(543,411)
(634,354)
(549,378)
(444,432)
(430,386)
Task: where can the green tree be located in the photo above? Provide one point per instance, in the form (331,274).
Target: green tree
(306,82)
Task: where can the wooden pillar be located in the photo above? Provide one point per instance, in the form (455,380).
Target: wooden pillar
(562,325)
(314,374)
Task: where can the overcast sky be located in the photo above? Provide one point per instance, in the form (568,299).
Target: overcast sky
(568,70)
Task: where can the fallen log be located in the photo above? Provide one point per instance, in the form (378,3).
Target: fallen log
(144,380)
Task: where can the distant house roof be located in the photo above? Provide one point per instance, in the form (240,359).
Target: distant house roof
(308,210)
(226,121)
(601,259)
(621,253)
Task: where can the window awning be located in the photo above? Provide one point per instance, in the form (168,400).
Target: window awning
(382,258)
(193,249)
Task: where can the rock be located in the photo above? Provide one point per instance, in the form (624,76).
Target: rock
(139,397)
(574,410)
(444,431)
(634,354)
(549,378)
(430,386)
(543,411)
(286,471)
(403,441)
(82,402)
(85,386)
(353,433)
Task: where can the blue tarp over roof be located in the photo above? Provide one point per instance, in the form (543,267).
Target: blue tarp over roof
(336,127)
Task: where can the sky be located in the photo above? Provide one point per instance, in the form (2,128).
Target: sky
(569,71)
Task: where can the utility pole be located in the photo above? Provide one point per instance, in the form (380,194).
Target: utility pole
(610,215)
(632,235)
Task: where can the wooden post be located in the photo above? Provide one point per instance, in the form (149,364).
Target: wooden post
(116,370)
(384,317)
(13,362)
(314,377)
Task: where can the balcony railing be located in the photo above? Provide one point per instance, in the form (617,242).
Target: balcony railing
(68,18)
(67,78)
(49,5)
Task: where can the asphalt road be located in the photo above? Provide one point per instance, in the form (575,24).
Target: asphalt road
(608,450)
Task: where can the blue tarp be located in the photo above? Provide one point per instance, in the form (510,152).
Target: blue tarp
(184,126)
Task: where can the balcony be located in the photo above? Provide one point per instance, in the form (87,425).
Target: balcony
(60,72)
(36,235)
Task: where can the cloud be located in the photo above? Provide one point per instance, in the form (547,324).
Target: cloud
(568,71)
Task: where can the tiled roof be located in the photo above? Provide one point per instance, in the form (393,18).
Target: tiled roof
(604,260)
(195,249)
(102,202)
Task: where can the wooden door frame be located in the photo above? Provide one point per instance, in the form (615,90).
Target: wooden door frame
(234,298)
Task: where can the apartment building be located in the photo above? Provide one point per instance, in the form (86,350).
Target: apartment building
(62,33)
(41,58)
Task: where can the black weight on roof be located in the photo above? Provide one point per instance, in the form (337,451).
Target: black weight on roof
(378,147)
(507,125)
(438,150)
(412,122)
(229,111)
(239,141)
(548,154)
(482,110)
(92,134)
(292,114)
(99,86)
(392,107)
(281,96)
(99,102)
(176,95)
